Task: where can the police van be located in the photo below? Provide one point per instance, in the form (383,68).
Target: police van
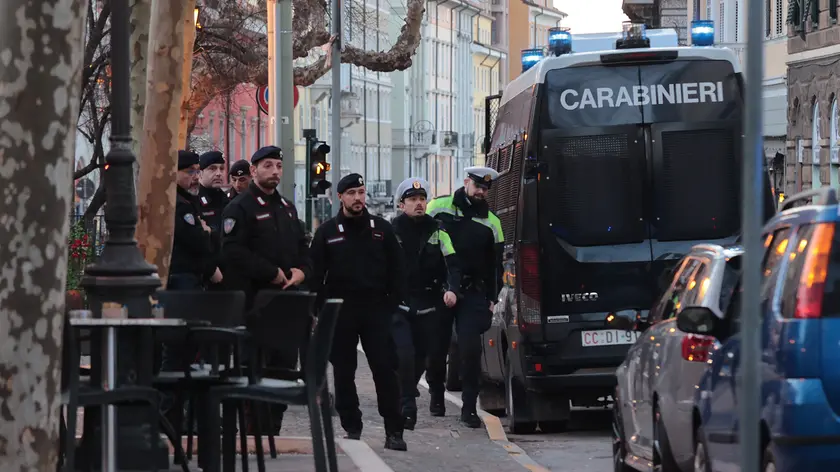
(617,153)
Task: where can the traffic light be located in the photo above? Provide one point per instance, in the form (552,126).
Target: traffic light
(318,167)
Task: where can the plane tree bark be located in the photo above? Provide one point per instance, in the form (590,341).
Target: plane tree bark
(41,47)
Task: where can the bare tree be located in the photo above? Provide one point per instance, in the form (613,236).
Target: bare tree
(39,100)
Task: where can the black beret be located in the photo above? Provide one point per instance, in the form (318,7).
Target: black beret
(211,157)
(349,181)
(240,168)
(186,159)
(273,152)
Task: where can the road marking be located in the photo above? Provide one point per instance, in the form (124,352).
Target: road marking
(363,456)
(493,426)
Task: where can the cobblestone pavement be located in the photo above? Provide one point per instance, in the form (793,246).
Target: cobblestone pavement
(438,444)
(585,445)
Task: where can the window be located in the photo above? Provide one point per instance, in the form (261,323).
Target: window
(777,249)
(780,23)
(815,147)
(708,9)
(696,290)
(737,17)
(794,270)
(722,22)
(768,18)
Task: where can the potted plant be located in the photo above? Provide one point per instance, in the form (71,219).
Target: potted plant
(80,254)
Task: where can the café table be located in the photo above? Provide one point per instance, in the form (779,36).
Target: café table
(109,371)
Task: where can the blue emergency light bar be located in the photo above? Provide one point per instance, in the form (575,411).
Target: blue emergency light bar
(531,57)
(702,32)
(560,40)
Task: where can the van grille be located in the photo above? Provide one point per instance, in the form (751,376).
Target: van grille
(597,188)
(699,192)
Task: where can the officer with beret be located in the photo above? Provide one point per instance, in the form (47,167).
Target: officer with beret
(213,200)
(264,245)
(434,277)
(357,257)
(240,176)
(478,238)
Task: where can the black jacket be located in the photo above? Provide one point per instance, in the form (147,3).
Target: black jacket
(261,233)
(431,262)
(192,250)
(360,260)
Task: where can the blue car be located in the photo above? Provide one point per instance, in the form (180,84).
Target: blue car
(800,349)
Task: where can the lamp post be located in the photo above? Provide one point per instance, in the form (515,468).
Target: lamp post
(121,277)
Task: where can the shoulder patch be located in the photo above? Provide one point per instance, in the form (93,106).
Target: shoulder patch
(229,224)
(190,219)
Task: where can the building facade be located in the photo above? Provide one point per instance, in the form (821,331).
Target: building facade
(487,62)
(540,15)
(813,145)
(660,14)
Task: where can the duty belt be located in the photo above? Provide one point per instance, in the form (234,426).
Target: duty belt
(470,283)
(419,312)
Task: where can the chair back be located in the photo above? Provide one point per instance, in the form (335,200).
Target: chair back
(222,309)
(320,346)
(281,320)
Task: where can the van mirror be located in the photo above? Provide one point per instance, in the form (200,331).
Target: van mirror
(620,321)
(534,167)
(697,320)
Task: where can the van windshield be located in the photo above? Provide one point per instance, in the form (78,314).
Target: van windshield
(642,151)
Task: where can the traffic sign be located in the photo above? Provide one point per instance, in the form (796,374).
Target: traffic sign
(262,98)
(85,188)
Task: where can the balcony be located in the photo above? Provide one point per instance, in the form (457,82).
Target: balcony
(351,110)
(449,139)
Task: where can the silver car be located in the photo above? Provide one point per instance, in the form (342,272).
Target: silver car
(656,382)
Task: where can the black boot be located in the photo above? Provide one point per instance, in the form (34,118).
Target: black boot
(410,421)
(437,407)
(354,435)
(395,442)
(470,419)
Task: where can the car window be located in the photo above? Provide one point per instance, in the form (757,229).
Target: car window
(796,259)
(661,302)
(696,289)
(731,276)
(772,258)
(678,291)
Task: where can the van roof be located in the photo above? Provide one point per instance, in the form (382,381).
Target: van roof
(536,74)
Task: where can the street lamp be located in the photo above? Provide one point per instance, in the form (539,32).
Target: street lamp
(122,278)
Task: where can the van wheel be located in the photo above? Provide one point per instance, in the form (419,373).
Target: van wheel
(453,368)
(514,391)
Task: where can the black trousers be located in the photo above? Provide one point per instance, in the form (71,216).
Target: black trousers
(472,319)
(441,336)
(365,320)
(172,355)
(413,336)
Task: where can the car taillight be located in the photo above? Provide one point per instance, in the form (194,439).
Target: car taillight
(809,295)
(529,254)
(696,348)
(529,285)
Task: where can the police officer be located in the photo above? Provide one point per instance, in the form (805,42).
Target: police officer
(357,257)
(192,253)
(434,277)
(240,177)
(478,239)
(210,194)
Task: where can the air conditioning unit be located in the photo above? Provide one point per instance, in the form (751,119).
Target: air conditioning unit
(450,139)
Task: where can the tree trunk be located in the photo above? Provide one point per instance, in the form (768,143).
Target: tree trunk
(159,147)
(39,101)
(186,78)
(140,17)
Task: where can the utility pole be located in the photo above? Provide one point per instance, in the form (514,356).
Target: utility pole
(281,89)
(336,100)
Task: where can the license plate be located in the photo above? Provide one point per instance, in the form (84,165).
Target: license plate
(608,337)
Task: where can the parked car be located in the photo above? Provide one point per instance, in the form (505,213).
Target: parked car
(656,382)
(800,354)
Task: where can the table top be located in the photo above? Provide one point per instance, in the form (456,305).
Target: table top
(117,322)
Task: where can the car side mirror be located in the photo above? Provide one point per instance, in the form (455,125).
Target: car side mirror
(534,167)
(698,320)
(620,322)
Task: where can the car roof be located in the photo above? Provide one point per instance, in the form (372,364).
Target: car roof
(717,251)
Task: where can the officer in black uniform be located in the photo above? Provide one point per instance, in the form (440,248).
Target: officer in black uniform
(264,246)
(240,177)
(193,260)
(434,277)
(478,238)
(213,200)
(357,257)
(192,252)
